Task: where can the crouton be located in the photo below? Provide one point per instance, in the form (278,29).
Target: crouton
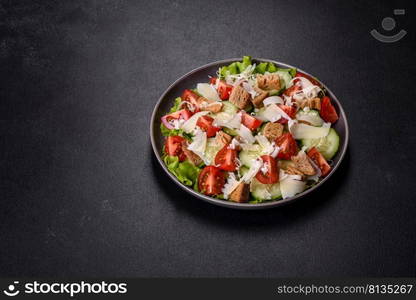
(303,164)
(241,193)
(240,97)
(293,171)
(222,138)
(314,103)
(192,157)
(268,81)
(258,100)
(272,130)
(209,105)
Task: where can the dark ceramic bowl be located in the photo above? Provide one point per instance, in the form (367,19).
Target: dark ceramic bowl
(200,74)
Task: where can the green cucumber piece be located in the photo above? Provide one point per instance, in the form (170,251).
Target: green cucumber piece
(285,78)
(311,116)
(230,131)
(328,145)
(229,108)
(248,156)
(211,149)
(265,192)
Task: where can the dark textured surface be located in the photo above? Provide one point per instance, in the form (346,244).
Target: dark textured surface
(81,193)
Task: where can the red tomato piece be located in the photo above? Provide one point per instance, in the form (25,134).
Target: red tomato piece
(226,159)
(183,114)
(319,160)
(293,89)
(211,180)
(288,146)
(173,147)
(289,110)
(272,173)
(250,122)
(224,89)
(328,112)
(310,78)
(191,97)
(205,123)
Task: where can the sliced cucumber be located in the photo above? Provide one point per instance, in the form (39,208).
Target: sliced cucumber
(243,170)
(265,192)
(229,108)
(311,116)
(211,150)
(248,156)
(229,131)
(328,145)
(286,77)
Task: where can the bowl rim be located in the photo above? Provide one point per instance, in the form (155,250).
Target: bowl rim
(236,205)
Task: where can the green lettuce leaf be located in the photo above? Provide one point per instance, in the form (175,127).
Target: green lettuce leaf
(185,171)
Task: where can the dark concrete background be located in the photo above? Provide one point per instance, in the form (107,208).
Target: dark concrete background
(82,195)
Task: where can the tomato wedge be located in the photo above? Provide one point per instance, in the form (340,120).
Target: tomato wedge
(319,160)
(182,114)
(211,180)
(288,146)
(328,112)
(310,78)
(226,159)
(272,173)
(292,90)
(250,122)
(224,89)
(191,97)
(205,122)
(289,110)
(173,146)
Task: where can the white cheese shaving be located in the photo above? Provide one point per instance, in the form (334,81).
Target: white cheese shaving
(290,185)
(206,90)
(272,99)
(231,184)
(274,113)
(318,172)
(199,143)
(254,169)
(234,144)
(190,124)
(246,134)
(227,120)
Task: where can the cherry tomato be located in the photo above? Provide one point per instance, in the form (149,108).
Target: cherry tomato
(226,159)
(272,173)
(205,122)
(173,147)
(250,122)
(288,146)
(328,112)
(211,180)
(319,160)
(289,110)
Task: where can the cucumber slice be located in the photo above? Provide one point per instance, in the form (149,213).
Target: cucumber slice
(248,156)
(229,108)
(211,150)
(285,77)
(265,192)
(311,116)
(230,131)
(328,145)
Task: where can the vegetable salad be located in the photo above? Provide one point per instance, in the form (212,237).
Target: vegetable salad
(251,133)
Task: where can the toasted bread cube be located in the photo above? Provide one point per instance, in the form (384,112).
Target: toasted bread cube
(258,100)
(272,130)
(192,157)
(209,105)
(293,171)
(222,138)
(314,103)
(268,82)
(303,164)
(241,193)
(240,97)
